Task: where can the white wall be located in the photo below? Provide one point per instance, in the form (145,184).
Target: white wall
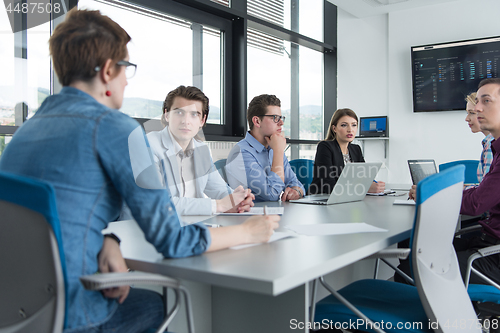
(374,78)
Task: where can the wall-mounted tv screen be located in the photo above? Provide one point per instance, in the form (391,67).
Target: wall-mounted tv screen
(444,74)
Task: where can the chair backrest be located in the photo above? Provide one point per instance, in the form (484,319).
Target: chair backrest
(434,262)
(470,169)
(304,170)
(32,276)
(220,165)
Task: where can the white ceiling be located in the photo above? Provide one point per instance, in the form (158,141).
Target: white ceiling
(362,8)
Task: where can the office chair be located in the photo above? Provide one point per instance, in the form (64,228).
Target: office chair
(32,278)
(439,297)
(304,170)
(470,169)
(220,165)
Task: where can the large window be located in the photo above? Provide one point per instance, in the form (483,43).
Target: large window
(25,79)
(291,71)
(169,51)
(232,50)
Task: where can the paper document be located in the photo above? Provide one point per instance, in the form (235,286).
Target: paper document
(276,236)
(326,229)
(386,192)
(259,211)
(404,202)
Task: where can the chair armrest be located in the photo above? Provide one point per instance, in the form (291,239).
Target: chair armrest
(391,253)
(112,280)
(488,251)
(467,230)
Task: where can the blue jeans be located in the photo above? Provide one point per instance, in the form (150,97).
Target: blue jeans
(142,311)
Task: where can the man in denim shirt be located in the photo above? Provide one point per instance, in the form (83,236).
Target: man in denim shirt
(258,161)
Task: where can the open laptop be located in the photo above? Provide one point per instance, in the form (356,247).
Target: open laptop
(352,185)
(419,169)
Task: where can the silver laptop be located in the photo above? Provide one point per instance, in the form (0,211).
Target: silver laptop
(419,169)
(352,185)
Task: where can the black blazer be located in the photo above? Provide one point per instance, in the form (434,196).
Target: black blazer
(328,165)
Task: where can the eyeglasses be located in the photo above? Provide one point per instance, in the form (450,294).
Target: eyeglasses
(276,118)
(130,68)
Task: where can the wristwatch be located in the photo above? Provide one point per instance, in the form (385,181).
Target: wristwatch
(115,237)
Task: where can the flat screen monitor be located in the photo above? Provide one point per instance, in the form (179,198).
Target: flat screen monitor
(373,127)
(444,74)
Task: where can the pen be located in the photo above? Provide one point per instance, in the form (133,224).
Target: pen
(376,182)
(265,210)
(210,225)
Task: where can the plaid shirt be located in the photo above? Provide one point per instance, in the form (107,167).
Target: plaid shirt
(486,158)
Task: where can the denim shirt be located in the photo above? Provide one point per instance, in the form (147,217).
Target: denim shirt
(82,148)
(249,164)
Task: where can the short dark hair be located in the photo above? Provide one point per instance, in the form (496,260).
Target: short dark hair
(86,40)
(494,80)
(190,93)
(258,106)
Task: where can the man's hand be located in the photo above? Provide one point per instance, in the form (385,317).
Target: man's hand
(239,201)
(413,193)
(111,260)
(377,187)
(277,142)
(291,193)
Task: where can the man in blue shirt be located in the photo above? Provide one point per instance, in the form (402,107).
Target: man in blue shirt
(258,161)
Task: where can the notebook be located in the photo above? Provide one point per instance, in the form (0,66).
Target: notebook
(419,169)
(352,185)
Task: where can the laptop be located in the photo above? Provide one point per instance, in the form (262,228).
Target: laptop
(419,169)
(352,185)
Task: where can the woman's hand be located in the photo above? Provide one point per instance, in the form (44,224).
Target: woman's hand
(260,228)
(111,260)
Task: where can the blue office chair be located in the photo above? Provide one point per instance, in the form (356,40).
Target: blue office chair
(33,274)
(304,170)
(439,297)
(470,169)
(220,165)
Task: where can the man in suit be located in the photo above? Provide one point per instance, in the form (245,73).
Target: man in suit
(184,160)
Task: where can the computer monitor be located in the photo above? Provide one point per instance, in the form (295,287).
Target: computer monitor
(373,127)
(419,169)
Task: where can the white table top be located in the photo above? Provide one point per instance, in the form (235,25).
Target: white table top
(277,267)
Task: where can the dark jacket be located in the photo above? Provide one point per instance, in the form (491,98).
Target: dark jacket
(329,163)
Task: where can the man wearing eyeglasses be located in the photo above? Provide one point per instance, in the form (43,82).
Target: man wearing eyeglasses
(258,161)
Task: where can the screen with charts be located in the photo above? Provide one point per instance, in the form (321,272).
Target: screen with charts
(373,127)
(419,169)
(444,74)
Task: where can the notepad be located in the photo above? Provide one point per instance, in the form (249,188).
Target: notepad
(276,236)
(327,229)
(404,202)
(259,211)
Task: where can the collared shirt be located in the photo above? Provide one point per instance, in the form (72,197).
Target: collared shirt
(486,197)
(96,158)
(249,164)
(185,161)
(486,158)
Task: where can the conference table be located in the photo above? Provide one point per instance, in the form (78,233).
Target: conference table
(265,288)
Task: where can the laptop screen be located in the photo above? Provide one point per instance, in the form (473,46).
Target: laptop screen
(419,169)
(373,127)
